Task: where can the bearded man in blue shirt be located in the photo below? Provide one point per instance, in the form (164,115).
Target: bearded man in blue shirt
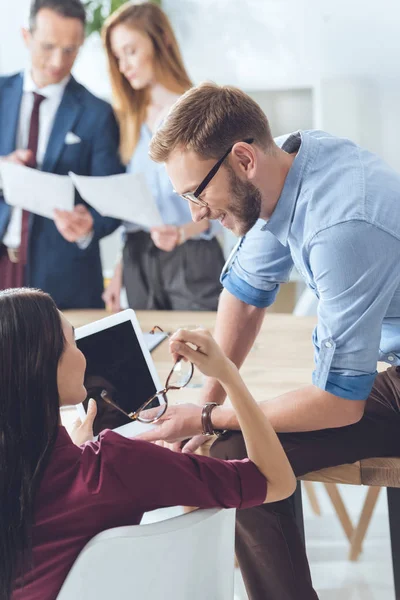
(332,210)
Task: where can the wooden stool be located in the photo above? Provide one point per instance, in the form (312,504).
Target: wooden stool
(337,502)
(376,473)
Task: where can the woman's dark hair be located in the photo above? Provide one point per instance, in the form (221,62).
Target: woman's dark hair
(72,9)
(31,345)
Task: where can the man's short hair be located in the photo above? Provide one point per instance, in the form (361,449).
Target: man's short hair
(209,119)
(72,9)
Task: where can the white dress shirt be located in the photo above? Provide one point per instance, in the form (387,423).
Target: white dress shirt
(47,113)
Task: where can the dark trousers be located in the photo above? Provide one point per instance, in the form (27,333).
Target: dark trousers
(187,278)
(269,547)
(12,275)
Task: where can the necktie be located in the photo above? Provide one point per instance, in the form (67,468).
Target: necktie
(33,146)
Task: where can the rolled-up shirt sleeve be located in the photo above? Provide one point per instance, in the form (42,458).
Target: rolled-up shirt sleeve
(257,268)
(151,477)
(355,269)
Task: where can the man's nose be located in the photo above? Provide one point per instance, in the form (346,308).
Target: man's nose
(198,212)
(57,59)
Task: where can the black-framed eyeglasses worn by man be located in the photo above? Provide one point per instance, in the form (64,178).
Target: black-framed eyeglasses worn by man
(194,197)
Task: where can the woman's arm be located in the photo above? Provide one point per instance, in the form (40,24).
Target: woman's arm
(262,443)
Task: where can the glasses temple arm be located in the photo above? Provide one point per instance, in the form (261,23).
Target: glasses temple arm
(211,174)
(111,403)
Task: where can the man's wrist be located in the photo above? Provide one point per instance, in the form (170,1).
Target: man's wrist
(85,240)
(208,428)
(224,418)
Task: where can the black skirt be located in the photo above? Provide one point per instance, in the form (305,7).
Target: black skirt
(187,278)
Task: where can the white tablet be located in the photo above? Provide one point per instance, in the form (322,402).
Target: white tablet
(118,361)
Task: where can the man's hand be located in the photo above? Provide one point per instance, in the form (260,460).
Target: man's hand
(83,432)
(20,157)
(165,237)
(194,443)
(184,420)
(178,423)
(73,225)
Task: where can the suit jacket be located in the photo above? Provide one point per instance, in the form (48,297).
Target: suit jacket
(71,275)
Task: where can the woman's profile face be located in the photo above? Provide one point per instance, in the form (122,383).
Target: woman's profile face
(134,52)
(71,369)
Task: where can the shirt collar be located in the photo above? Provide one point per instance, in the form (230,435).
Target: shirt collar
(54,90)
(281,219)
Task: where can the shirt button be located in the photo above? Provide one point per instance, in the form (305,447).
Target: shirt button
(328,344)
(390,358)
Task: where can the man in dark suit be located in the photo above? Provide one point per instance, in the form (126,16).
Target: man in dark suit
(49,120)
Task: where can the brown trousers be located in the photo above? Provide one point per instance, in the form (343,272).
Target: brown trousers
(269,547)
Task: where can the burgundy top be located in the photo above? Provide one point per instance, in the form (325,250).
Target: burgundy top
(111,483)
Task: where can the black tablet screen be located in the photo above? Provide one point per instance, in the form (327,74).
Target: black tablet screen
(115,363)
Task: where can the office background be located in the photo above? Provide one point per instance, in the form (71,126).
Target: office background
(310,64)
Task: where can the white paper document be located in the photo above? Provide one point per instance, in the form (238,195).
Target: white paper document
(126,196)
(154,339)
(35,190)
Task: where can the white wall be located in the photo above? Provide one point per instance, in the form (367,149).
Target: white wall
(347,51)
(276,44)
(13,14)
(270,43)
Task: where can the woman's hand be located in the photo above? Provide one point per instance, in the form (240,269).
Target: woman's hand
(179,422)
(165,237)
(207,355)
(83,431)
(112,295)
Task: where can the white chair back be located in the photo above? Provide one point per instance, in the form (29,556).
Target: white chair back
(190,557)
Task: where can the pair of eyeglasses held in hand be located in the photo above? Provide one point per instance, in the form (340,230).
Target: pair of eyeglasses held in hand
(154,408)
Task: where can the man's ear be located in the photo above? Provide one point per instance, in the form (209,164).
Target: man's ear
(244,158)
(26,36)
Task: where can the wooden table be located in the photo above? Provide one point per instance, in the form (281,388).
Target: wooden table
(282,360)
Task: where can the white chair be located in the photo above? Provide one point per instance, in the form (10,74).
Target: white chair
(187,557)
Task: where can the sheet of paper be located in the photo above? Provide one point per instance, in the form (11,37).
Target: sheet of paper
(154,339)
(35,190)
(126,196)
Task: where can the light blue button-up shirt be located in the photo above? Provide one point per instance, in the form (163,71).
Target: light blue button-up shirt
(338,221)
(174,210)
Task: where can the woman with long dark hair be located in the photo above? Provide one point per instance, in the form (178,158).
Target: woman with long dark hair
(175,266)
(32,345)
(55,496)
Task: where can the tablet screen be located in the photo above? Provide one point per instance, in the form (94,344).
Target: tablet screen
(115,363)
